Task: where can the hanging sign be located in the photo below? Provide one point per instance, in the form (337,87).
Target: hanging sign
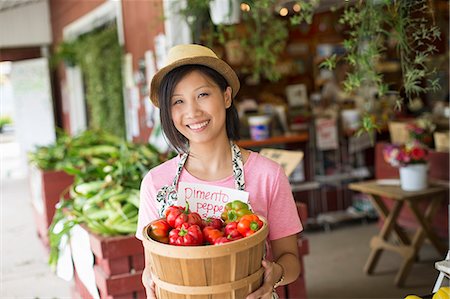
(208,200)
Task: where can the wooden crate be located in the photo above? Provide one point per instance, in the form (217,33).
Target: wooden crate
(117,255)
(442,141)
(398,132)
(119,262)
(46,189)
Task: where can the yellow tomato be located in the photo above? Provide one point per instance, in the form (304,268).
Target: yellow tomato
(442,293)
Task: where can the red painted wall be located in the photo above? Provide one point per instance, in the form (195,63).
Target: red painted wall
(143,20)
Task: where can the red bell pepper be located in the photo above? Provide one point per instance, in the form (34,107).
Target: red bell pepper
(186,235)
(226,239)
(234,210)
(217,223)
(177,215)
(172,214)
(210,234)
(231,230)
(249,224)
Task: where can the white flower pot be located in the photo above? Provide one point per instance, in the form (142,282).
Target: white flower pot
(414,177)
(225,12)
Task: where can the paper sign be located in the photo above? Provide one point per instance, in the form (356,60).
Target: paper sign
(208,200)
(287,159)
(326,134)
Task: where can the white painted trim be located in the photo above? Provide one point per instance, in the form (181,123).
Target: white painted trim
(94,19)
(77,108)
(175,27)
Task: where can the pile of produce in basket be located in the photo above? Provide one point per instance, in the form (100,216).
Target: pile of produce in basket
(105,194)
(181,227)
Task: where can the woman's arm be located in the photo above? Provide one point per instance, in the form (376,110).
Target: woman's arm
(285,264)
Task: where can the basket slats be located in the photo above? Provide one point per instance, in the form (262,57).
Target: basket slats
(231,270)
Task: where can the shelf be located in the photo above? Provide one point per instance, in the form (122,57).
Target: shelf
(283,139)
(305,186)
(356,173)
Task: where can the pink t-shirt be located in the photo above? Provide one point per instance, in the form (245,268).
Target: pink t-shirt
(270,194)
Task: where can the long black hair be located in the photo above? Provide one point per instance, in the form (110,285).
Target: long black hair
(165,92)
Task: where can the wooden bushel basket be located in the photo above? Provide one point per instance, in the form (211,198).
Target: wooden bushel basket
(231,270)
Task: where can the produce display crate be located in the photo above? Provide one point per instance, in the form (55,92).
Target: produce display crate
(119,262)
(117,255)
(231,270)
(46,189)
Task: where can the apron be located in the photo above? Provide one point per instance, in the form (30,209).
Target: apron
(167,195)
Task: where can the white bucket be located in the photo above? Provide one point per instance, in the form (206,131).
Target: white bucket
(414,177)
(259,126)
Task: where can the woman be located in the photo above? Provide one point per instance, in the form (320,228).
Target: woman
(195,93)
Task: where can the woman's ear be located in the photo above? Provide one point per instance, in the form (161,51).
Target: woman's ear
(228,98)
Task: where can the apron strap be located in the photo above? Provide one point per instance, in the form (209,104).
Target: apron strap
(167,195)
(238,167)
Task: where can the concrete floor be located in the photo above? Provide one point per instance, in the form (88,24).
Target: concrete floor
(333,266)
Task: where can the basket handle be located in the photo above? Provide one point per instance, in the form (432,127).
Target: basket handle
(209,290)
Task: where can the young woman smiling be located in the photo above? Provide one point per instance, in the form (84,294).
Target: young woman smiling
(195,93)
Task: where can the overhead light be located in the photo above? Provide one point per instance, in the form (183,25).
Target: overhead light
(284,12)
(296,7)
(245,7)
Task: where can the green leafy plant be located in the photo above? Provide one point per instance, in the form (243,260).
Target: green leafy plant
(370,24)
(5,120)
(264,36)
(99,56)
(196,15)
(105,194)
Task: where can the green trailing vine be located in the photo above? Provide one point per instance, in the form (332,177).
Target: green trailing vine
(264,37)
(99,56)
(370,23)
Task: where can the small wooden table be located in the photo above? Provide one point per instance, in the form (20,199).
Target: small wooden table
(406,248)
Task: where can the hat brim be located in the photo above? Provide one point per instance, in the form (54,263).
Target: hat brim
(216,64)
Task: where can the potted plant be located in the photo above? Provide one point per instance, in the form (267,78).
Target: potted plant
(411,158)
(4,121)
(374,26)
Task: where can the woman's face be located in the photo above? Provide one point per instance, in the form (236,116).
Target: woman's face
(198,108)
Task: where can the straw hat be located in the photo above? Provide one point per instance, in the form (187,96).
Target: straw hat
(193,54)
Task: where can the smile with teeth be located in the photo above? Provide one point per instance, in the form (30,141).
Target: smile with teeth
(198,125)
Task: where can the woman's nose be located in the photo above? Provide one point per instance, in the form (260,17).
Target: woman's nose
(193,109)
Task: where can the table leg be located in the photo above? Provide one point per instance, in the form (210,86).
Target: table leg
(388,225)
(383,211)
(422,232)
(409,257)
(425,223)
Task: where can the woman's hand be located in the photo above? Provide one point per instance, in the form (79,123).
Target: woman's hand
(148,283)
(265,291)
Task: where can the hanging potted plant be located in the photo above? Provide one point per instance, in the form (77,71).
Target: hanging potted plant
(225,12)
(406,25)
